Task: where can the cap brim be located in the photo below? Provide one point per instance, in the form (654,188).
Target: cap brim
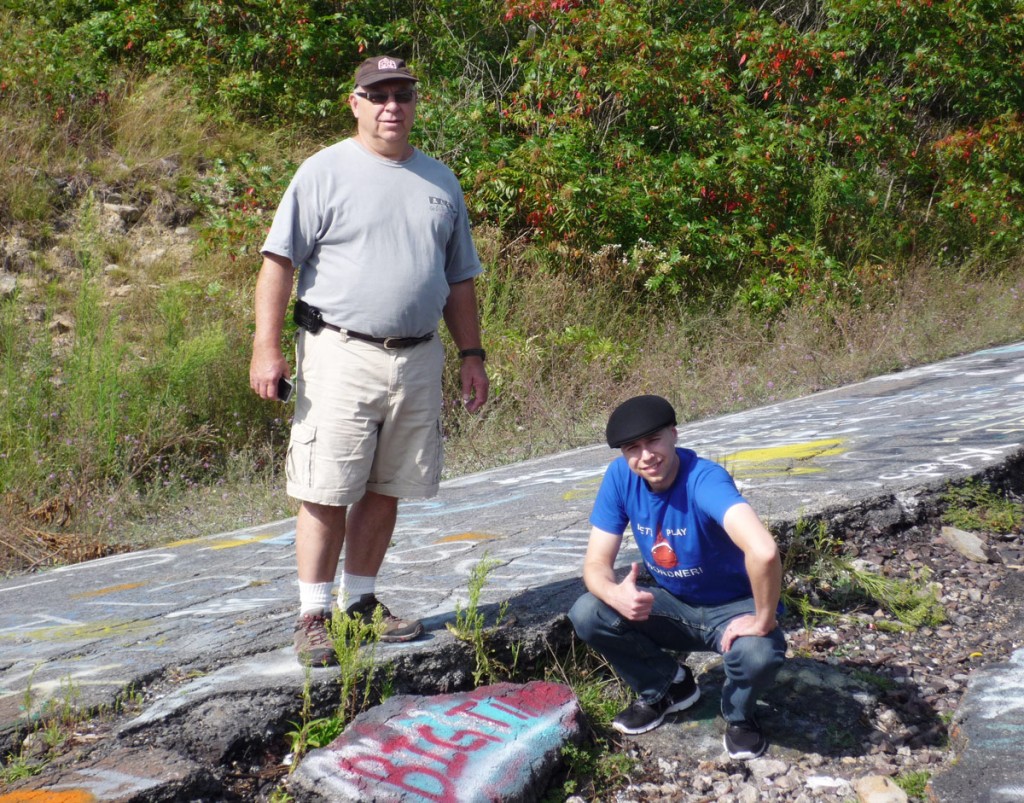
(624,441)
(373,80)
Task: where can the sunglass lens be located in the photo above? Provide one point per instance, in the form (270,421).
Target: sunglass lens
(380,98)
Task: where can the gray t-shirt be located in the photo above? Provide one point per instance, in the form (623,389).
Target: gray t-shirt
(376,242)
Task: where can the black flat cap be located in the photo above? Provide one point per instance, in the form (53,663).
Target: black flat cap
(638,417)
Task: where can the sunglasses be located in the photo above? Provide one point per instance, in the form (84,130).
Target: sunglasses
(380,98)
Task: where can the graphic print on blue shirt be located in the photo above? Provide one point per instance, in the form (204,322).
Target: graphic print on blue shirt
(679,531)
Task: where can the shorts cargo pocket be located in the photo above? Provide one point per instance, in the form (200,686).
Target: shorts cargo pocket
(435,478)
(301,454)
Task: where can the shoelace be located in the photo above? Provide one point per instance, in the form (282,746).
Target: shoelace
(315,628)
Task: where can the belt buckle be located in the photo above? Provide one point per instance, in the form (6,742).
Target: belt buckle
(388,341)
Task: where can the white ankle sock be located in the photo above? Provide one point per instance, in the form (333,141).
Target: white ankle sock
(356,585)
(314,597)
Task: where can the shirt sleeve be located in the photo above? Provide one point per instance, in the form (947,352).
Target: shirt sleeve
(461,259)
(609,513)
(297,222)
(716,492)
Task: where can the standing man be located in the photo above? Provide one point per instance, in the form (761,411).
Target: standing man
(717,573)
(380,235)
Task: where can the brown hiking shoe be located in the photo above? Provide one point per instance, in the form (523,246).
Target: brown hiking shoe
(313,643)
(395,629)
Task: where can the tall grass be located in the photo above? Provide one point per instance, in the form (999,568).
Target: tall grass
(564,350)
(125,402)
(120,406)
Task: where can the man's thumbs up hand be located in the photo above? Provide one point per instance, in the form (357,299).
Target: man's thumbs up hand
(631,602)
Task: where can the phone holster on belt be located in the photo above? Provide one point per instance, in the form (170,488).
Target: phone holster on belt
(308,318)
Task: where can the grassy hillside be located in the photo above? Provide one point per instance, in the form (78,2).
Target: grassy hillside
(722,204)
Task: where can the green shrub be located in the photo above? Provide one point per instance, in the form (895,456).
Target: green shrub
(973,506)
(639,173)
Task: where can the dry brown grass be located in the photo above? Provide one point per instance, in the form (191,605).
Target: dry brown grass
(710,363)
(568,337)
(37,537)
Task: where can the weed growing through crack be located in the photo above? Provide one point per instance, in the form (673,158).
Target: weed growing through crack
(355,643)
(913,601)
(838,738)
(54,723)
(599,763)
(298,739)
(18,767)
(880,682)
(470,627)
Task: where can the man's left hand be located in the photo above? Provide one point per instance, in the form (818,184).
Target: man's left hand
(743,626)
(475,384)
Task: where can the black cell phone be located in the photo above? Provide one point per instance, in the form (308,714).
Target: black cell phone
(285,389)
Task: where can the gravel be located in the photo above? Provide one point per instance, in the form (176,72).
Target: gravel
(889,695)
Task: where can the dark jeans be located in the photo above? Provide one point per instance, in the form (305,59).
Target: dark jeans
(638,650)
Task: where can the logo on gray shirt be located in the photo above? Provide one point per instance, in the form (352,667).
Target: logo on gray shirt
(442,205)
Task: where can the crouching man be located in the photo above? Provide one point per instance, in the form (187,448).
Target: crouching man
(717,572)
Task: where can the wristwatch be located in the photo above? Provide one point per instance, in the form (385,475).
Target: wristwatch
(473,353)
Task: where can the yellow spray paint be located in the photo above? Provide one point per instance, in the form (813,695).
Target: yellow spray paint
(104,628)
(588,490)
(451,539)
(790,460)
(227,543)
(102,592)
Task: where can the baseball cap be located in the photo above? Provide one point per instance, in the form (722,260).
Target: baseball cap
(638,417)
(383,68)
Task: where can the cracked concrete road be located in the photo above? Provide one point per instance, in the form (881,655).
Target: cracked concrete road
(209,620)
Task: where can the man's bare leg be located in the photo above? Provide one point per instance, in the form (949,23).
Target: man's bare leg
(319,534)
(371,524)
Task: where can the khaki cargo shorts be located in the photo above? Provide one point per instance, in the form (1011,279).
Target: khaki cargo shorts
(367,418)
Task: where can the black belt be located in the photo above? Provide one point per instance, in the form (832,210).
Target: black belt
(386,342)
(310,319)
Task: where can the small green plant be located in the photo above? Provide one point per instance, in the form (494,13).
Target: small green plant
(313,734)
(880,682)
(912,601)
(59,715)
(469,625)
(355,643)
(131,699)
(820,582)
(597,765)
(915,784)
(592,769)
(298,739)
(600,692)
(839,738)
(885,626)
(976,507)
(53,723)
(18,767)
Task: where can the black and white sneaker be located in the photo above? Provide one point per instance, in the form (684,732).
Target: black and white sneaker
(642,716)
(744,740)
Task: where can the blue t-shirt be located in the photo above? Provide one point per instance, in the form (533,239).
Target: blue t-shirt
(679,531)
